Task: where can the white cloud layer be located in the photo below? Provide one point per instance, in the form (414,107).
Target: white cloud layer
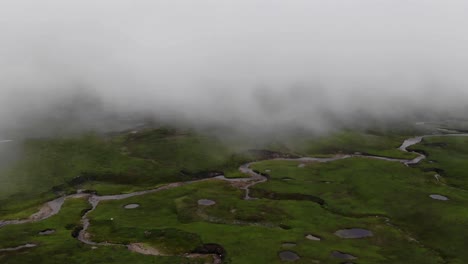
(235,62)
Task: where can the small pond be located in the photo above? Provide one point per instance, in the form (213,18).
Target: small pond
(288,256)
(47,232)
(206,202)
(131,206)
(353,233)
(312,237)
(341,255)
(439,197)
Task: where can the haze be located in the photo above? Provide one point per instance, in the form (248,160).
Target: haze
(311,64)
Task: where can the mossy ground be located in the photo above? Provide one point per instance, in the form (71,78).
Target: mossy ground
(61,247)
(317,199)
(121,164)
(346,142)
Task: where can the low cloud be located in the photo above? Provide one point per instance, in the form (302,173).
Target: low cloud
(253,64)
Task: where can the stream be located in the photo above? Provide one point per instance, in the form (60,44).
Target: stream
(53,207)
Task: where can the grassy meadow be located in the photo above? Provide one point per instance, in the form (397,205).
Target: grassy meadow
(387,198)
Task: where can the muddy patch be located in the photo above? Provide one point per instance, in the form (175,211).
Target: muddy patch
(211,248)
(342,255)
(206,202)
(288,256)
(131,206)
(312,237)
(288,196)
(439,197)
(354,233)
(46,232)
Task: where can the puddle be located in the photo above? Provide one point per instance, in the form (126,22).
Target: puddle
(288,256)
(438,197)
(47,232)
(312,237)
(131,206)
(353,233)
(341,255)
(206,202)
(302,165)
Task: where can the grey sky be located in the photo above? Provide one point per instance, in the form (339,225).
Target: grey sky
(264,62)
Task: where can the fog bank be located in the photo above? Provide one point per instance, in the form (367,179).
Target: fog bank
(257,64)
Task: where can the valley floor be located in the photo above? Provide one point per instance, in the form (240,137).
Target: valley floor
(165,196)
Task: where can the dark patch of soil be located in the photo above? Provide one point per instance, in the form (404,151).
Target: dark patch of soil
(354,233)
(285,227)
(266,175)
(76,231)
(288,196)
(211,248)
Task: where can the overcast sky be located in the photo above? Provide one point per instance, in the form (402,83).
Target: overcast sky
(236,62)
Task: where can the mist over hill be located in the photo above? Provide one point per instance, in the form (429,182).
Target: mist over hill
(246,65)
